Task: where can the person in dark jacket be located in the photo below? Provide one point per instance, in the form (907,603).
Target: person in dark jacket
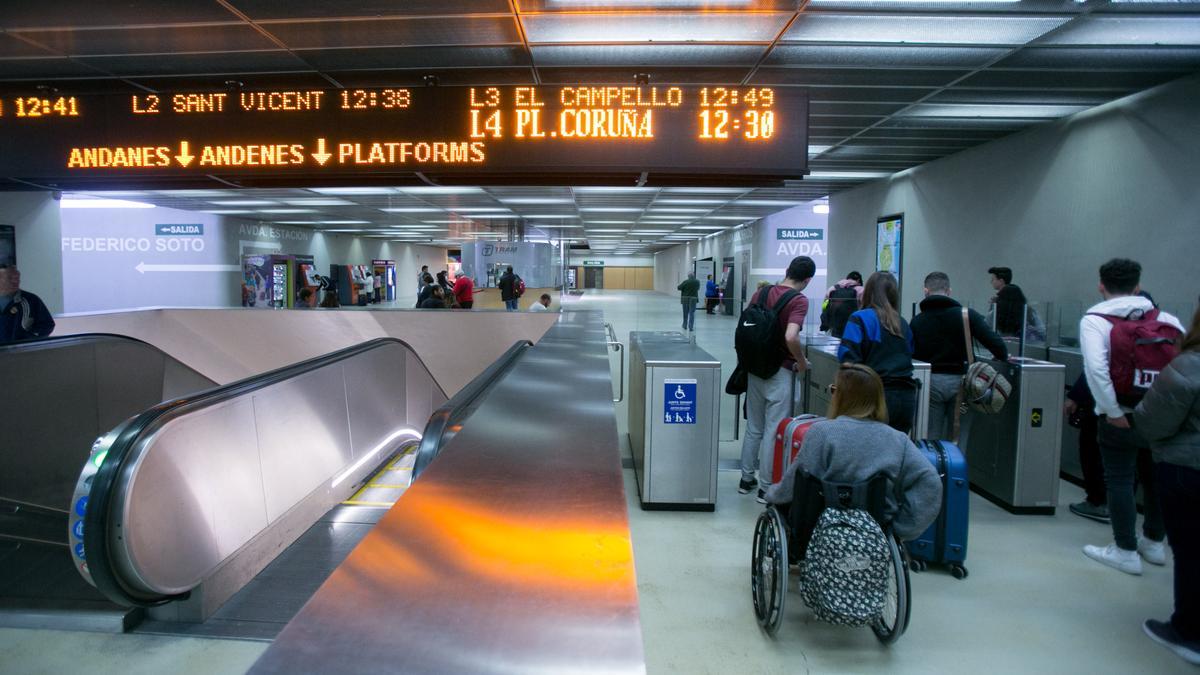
(1081,414)
(426,289)
(1009,302)
(938,339)
(689,290)
(1169,418)
(508,289)
(877,336)
(436,299)
(23,315)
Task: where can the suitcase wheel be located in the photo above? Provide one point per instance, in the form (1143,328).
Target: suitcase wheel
(958,571)
(918,565)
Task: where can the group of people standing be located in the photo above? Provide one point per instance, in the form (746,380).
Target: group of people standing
(1149,415)
(438,293)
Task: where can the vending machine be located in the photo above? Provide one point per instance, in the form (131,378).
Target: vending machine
(386,271)
(267,281)
(306,278)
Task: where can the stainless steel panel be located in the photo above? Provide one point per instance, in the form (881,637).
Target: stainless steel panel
(1071,360)
(303,436)
(681,465)
(193,498)
(511,553)
(822,372)
(373,410)
(120,393)
(1011,460)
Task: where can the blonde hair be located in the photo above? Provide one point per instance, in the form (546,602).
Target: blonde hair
(858,393)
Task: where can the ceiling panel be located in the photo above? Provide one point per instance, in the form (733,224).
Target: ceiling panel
(86,13)
(1089,58)
(964,95)
(21,69)
(867,94)
(530,6)
(942,6)
(1130,30)
(916,28)
(1050,79)
(250,81)
(823,108)
(646,55)
(11,46)
(802,77)
(414,57)
(190,64)
(396,32)
(653,27)
(625,75)
(260,10)
(445,77)
(155,40)
(874,56)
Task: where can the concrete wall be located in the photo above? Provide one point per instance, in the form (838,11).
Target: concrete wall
(35,217)
(1052,203)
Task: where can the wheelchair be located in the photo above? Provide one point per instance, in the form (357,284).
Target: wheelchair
(781,538)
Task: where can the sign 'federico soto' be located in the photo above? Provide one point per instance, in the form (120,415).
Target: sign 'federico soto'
(748,131)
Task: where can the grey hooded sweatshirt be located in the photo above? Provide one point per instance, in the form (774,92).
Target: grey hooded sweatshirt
(851,450)
(1169,416)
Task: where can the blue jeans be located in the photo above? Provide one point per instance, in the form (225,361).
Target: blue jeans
(689,316)
(1179,492)
(1126,455)
(510,305)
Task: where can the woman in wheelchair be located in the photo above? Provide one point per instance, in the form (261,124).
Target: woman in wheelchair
(871,467)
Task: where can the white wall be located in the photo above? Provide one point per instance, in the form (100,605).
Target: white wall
(1052,203)
(577,259)
(35,218)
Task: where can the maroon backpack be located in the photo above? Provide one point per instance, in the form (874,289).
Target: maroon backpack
(1140,346)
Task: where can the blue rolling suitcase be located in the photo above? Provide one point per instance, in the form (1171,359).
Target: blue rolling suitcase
(945,542)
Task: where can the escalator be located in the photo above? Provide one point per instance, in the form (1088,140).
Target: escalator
(218,513)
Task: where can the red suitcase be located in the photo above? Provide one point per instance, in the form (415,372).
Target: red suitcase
(789,433)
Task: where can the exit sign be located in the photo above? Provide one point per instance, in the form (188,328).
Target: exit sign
(593,263)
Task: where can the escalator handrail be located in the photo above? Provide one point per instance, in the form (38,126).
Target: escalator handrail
(59,341)
(125,441)
(442,423)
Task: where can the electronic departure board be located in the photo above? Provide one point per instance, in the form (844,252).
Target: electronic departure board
(307,134)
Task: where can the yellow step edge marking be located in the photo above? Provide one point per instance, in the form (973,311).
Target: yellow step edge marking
(361,503)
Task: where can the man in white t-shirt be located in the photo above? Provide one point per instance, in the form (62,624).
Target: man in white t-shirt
(542,304)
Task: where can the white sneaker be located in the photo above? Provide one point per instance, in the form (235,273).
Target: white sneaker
(1152,551)
(1113,556)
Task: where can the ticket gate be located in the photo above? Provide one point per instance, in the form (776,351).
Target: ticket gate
(1071,359)
(1014,455)
(821,352)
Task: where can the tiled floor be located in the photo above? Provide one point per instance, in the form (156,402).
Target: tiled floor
(1032,604)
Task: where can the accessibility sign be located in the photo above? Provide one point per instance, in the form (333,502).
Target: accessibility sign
(679,401)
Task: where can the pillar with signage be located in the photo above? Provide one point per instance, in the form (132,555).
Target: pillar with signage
(486,262)
(782,236)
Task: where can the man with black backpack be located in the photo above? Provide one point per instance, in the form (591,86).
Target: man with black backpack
(1126,342)
(767,340)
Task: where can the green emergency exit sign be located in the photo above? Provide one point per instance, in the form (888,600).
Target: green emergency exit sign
(593,263)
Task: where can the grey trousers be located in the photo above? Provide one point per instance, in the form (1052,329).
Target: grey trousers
(767,402)
(943,392)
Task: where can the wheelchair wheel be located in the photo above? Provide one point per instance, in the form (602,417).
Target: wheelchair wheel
(897,605)
(769,569)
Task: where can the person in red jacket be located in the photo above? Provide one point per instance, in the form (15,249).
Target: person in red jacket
(464,291)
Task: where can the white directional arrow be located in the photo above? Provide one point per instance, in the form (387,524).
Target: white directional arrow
(184,157)
(143,268)
(320,155)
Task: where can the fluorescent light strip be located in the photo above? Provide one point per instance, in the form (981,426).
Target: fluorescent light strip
(412,209)
(354,191)
(536,200)
(318,201)
(344,222)
(846,175)
(820,208)
(392,438)
(287,210)
(687,201)
(245,202)
(548,216)
(226,212)
(441,190)
(609,190)
(181,193)
(611,209)
(77,203)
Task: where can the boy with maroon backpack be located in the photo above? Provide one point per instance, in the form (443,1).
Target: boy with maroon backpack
(1126,342)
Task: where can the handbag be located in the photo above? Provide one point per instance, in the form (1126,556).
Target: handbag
(983,389)
(738,382)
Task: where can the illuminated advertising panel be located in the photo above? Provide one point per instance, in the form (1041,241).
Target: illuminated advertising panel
(735,131)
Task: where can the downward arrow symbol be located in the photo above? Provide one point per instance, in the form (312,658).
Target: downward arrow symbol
(320,155)
(184,157)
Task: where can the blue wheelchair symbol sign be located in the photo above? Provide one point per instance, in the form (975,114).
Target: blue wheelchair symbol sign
(679,402)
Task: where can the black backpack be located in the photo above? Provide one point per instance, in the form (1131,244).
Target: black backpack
(757,338)
(842,303)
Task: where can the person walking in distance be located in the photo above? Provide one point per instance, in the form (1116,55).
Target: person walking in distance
(508,289)
(770,392)
(879,337)
(940,339)
(1125,341)
(711,295)
(1169,418)
(23,315)
(688,296)
(421,277)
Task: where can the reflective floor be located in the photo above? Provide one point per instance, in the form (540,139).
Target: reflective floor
(1032,604)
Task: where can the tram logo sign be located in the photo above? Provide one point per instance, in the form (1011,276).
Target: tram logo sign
(492,249)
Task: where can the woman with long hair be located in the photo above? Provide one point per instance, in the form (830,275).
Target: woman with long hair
(1169,418)
(879,337)
(856,443)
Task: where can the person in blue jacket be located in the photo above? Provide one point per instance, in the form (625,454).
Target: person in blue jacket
(23,315)
(711,295)
(877,336)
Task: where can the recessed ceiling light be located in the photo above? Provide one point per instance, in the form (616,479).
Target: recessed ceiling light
(88,203)
(764,202)
(706,190)
(612,209)
(730,217)
(687,201)
(318,201)
(412,209)
(609,189)
(187,193)
(608,230)
(344,222)
(354,191)
(549,216)
(226,212)
(846,175)
(536,200)
(820,208)
(287,210)
(705,227)
(441,190)
(991,111)
(677,209)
